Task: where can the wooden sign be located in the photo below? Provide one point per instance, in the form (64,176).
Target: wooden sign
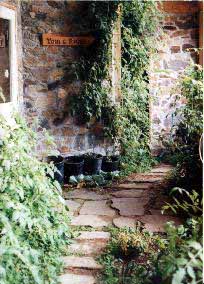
(52,39)
(2,41)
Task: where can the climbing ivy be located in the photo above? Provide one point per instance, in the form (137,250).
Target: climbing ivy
(139,24)
(126,124)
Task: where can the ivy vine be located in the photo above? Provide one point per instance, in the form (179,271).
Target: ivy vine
(127,123)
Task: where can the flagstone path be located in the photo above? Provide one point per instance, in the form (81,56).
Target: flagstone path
(139,197)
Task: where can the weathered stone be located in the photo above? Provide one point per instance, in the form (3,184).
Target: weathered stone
(177,64)
(146,178)
(128,193)
(81,262)
(76,279)
(155,223)
(138,186)
(130,206)
(87,247)
(92,221)
(169,28)
(72,205)
(122,222)
(180,33)
(162,169)
(186,47)
(97,208)
(84,194)
(95,235)
(175,49)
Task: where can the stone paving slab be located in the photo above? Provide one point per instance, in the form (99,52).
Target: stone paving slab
(154,174)
(84,262)
(72,205)
(92,221)
(77,279)
(162,169)
(134,185)
(155,223)
(145,179)
(97,208)
(84,194)
(122,222)
(87,247)
(128,193)
(130,206)
(95,235)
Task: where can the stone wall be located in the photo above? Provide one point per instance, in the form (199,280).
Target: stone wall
(49,73)
(180,33)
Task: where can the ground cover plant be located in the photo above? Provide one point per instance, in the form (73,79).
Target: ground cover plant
(138,257)
(33,219)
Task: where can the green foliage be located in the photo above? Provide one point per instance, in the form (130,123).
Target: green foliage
(184,144)
(103,178)
(93,68)
(191,204)
(126,124)
(182,262)
(129,256)
(33,218)
(139,25)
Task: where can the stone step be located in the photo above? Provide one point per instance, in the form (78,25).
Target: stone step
(155,174)
(130,185)
(152,223)
(83,262)
(145,179)
(99,207)
(162,169)
(87,247)
(70,278)
(84,194)
(95,235)
(91,221)
(130,206)
(129,193)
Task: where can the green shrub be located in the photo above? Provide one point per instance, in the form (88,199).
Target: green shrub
(129,256)
(184,146)
(182,261)
(33,218)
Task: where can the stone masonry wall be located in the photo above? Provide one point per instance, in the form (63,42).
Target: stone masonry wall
(49,73)
(180,33)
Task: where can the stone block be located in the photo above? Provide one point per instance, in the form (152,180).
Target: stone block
(91,221)
(130,206)
(97,208)
(70,278)
(81,262)
(175,49)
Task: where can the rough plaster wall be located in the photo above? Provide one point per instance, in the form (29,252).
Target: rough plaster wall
(180,33)
(49,73)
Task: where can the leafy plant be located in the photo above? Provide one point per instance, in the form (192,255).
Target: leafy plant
(186,132)
(126,124)
(182,262)
(128,255)
(33,218)
(94,180)
(184,202)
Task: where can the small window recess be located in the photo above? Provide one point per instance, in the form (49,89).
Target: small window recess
(8,65)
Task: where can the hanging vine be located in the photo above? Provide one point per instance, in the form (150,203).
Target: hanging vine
(126,123)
